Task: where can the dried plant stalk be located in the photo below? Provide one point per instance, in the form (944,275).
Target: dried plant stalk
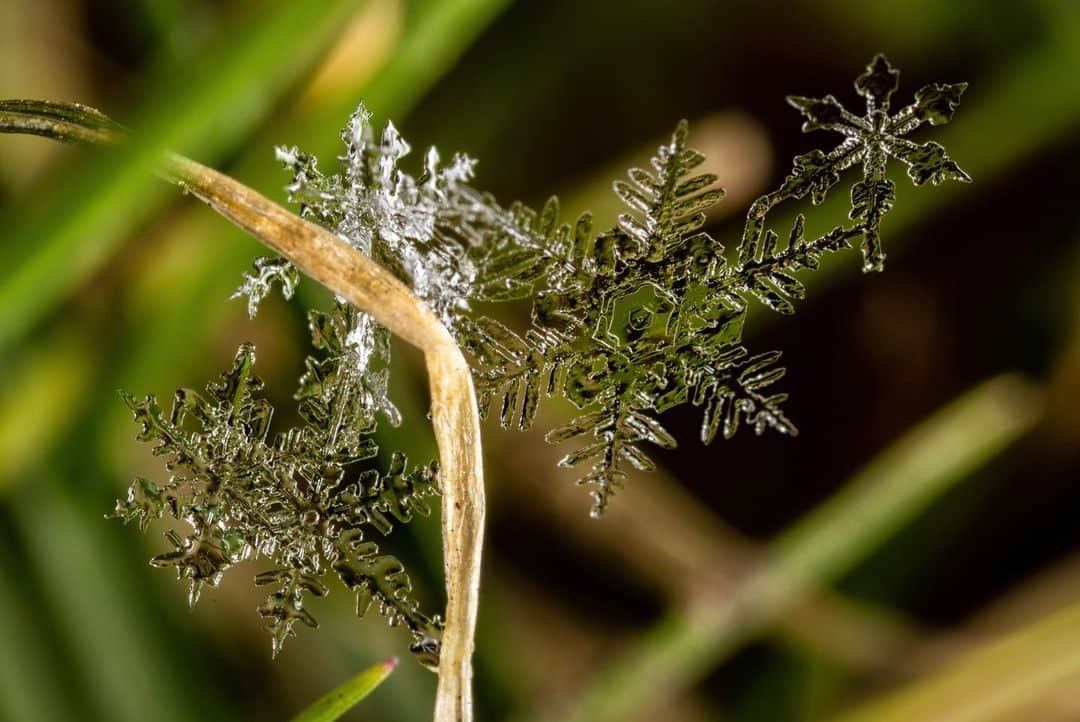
(369,287)
(362,282)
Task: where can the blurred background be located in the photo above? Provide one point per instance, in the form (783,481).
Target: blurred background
(914,554)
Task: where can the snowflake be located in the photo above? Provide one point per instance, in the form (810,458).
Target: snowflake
(871,140)
(639,319)
(407,224)
(303,500)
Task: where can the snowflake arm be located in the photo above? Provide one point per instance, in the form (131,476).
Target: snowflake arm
(268,271)
(870,141)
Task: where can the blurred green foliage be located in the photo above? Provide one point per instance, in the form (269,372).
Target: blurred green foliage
(109,280)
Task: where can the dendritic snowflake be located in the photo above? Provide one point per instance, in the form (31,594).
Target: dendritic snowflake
(625,324)
(870,140)
(649,315)
(302,499)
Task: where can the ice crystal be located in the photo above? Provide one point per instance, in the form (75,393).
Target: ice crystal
(625,324)
(639,318)
(303,499)
(649,315)
(412,226)
(871,140)
(258,285)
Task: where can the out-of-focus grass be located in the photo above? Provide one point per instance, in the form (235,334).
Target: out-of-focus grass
(665,538)
(41,387)
(201,111)
(900,482)
(123,663)
(28,675)
(1001,680)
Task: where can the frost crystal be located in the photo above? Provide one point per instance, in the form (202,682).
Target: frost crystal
(257,286)
(871,140)
(649,315)
(625,324)
(305,499)
(409,225)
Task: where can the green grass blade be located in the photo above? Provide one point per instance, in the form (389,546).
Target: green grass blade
(997,681)
(905,479)
(341,699)
(236,85)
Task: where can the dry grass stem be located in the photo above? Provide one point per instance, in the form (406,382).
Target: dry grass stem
(369,287)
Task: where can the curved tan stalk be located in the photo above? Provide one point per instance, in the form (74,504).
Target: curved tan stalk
(370,288)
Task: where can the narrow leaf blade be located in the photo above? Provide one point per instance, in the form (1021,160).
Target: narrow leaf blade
(340,700)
